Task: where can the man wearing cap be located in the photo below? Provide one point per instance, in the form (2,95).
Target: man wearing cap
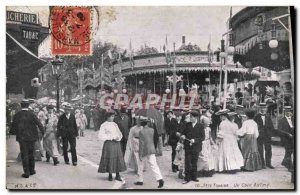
(265,129)
(193,134)
(67,130)
(147,152)
(25,125)
(286,129)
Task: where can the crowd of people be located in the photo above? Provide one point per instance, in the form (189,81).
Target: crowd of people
(203,142)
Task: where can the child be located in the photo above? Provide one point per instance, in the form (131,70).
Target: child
(179,158)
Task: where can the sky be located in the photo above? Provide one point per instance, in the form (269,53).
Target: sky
(151,25)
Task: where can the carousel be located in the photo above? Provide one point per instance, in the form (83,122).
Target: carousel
(196,72)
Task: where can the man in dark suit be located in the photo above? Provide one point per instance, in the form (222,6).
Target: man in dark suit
(67,130)
(193,134)
(286,130)
(238,118)
(265,129)
(25,125)
(172,127)
(122,121)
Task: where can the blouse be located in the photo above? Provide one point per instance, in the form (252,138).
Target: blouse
(249,127)
(109,131)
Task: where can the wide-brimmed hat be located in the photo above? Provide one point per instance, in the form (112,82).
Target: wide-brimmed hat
(144,118)
(194,113)
(231,113)
(288,108)
(68,107)
(50,107)
(239,106)
(222,112)
(262,105)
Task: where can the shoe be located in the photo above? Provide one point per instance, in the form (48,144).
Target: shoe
(25,175)
(195,180)
(67,163)
(264,167)
(48,160)
(180,175)
(118,178)
(185,181)
(270,166)
(55,161)
(161,183)
(74,163)
(139,183)
(32,172)
(110,177)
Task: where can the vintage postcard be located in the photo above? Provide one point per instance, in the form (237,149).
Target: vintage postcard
(140,97)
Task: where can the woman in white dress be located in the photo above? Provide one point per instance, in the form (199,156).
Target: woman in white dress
(206,162)
(112,160)
(132,147)
(249,131)
(229,157)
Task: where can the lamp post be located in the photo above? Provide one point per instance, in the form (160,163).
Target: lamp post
(56,68)
(274,44)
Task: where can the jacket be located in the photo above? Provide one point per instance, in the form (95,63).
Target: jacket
(146,142)
(265,131)
(284,131)
(25,125)
(197,133)
(173,128)
(67,127)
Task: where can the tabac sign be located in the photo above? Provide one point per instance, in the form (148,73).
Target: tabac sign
(21,17)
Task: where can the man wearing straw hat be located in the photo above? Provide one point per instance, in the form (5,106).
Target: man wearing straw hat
(265,128)
(67,130)
(286,129)
(25,125)
(193,134)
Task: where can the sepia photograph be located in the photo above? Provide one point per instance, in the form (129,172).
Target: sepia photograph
(150,98)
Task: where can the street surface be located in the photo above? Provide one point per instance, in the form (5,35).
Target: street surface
(85,175)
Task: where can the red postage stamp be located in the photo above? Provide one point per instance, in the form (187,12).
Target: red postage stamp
(71,30)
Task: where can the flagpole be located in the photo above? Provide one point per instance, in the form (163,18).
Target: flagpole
(174,73)
(209,61)
(101,73)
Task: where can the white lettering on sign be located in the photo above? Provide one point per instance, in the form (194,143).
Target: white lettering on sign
(21,17)
(31,35)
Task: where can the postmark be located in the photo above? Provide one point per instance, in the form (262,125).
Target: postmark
(71,30)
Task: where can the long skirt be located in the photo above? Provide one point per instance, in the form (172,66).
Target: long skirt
(112,160)
(252,160)
(229,156)
(50,144)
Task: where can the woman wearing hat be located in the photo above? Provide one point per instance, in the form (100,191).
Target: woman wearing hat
(112,160)
(50,140)
(249,131)
(229,156)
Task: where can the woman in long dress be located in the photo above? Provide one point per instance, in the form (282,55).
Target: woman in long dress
(229,157)
(206,162)
(249,131)
(50,140)
(132,147)
(112,160)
